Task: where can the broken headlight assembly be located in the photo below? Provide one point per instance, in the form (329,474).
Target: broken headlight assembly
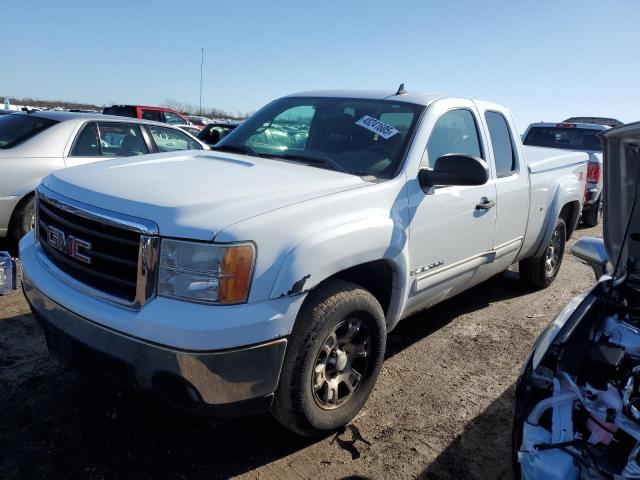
(205,272)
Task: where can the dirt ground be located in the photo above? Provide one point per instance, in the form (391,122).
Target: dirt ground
(441,409)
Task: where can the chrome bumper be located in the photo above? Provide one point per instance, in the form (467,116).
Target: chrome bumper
(200,378)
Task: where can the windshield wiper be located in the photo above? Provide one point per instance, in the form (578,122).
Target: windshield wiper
(326,161)
(235,149)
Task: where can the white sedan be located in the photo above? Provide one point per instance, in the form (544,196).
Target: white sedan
(34,144)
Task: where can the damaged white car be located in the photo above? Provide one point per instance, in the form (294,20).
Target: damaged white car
(577,412)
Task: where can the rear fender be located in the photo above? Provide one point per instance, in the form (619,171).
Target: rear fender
(567,191)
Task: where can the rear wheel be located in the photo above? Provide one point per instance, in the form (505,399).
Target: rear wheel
(333,359)
(541,271)
(591,215)
(23,220)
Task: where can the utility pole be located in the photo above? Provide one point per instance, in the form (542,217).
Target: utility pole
(201,64)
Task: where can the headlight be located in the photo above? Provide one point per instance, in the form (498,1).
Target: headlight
(205,272)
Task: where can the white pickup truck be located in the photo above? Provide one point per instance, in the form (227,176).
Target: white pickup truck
(265,275)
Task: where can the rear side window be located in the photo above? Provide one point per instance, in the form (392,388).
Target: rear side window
(110,140)
(16,128)
(454,132)
(170,139)
(121,140)
(155,115)
(502,144)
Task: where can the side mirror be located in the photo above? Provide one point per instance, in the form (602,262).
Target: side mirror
(592,251)
(455,169)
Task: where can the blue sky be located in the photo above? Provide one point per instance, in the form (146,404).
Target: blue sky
(546,60)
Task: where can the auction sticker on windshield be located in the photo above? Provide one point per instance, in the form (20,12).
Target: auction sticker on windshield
(376,126)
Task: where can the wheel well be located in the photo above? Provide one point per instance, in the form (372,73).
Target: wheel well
(376,277)
(17,208)
(569,214)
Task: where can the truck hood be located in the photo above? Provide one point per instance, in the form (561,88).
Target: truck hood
(196,194)
(621,167)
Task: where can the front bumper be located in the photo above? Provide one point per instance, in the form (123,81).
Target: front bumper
(242,377)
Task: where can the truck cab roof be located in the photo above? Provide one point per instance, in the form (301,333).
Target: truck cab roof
(416,98)
(607,122)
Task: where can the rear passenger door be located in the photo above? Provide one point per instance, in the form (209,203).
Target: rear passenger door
(512,185)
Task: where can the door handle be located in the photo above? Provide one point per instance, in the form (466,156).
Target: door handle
(485,204)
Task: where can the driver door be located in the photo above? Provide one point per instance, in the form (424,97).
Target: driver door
(451,232)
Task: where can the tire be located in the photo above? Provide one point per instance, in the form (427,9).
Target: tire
(344,315)
(541,271)
(591,215)
(22,220)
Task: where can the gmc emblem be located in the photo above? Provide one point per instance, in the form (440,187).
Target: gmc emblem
(68,244)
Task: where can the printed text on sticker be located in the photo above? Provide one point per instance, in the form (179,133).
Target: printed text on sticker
(376,126)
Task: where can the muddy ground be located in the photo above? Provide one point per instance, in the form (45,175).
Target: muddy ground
(441,409)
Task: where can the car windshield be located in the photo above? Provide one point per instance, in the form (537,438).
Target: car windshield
(18,128)
(567,138)
(358,136)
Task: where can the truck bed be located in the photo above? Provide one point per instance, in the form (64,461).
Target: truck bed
(541,159)
(553,173)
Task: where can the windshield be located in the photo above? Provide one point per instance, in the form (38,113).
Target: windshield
(585,139)
(363,137)
(18,128)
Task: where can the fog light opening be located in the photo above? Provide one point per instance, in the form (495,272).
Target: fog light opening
(176,390)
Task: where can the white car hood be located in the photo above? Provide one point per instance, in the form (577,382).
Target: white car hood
(196,194)
(621,166)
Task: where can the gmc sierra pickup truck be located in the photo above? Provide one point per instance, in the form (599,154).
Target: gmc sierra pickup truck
(266,274)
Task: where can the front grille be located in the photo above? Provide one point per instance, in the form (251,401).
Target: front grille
(113,267)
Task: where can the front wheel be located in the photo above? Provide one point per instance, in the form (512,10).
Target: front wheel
(541,271)
(333,359)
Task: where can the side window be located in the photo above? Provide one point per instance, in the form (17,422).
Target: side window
(170,139)
(155,115)
(121,140)
(502,144)
(87,143)
(454,132)
(174,119)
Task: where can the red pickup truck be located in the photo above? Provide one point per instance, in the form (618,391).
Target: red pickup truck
(157,114)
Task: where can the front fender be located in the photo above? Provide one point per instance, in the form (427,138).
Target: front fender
(327,252)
